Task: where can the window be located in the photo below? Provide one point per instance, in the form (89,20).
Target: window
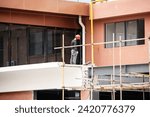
(58,39)
(50,44)
(26,44)
(131,27)
(1,52)
(18,43)
(36,41)
(120,32)
(56,95)
(4,33)
(126,30)
(110,30)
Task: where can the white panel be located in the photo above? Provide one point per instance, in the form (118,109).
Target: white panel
(38,77)
(73,77)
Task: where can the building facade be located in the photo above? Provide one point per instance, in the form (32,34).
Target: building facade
(29,34)
(124,20)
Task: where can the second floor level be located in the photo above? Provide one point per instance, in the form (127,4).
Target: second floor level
(132,30)
(28,44)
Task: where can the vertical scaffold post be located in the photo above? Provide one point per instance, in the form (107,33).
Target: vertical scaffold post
(120,59)
(92,46)
(63,59)
(92,31)
(143,88)
(113,76)
(149,59)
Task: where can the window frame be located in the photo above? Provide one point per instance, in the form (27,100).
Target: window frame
(142,42)
(52,51)
(36,27)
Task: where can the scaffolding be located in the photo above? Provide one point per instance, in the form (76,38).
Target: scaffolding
(116,81)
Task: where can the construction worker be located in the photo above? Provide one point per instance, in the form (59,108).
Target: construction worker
(74,50)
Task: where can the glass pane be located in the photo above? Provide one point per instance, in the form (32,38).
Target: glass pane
(141,31)
(120,33)
(19,44)
(58,43)
(50,42)
(1,52)
(36,41)
(4,34)
(1,43)
(58,39)
(131,32)
(69,36)
(110,30)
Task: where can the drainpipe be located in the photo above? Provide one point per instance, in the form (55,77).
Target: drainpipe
(83,39)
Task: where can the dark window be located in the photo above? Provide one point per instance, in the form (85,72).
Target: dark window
(1,52)
(58,39)
(56,95)
(22,44)
(36,41)
(140,31)
(126,30)
(131,28)
(72,95)
(50,45)
(69,36)
(4,34)
(18,44)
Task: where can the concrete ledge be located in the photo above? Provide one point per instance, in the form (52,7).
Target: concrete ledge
(120,8)
(39,77)
(50,6)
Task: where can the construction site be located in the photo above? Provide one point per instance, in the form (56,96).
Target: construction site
(113,60)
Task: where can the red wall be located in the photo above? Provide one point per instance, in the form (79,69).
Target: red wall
(37,18)
(130,54)
(28,95)
(49,6)
(120,8)
(85,95)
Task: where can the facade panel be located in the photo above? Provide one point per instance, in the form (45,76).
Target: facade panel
(135,54)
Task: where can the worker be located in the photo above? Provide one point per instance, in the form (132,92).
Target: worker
(74,50)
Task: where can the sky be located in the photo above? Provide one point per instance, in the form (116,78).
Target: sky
(85,0)
(81,0)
